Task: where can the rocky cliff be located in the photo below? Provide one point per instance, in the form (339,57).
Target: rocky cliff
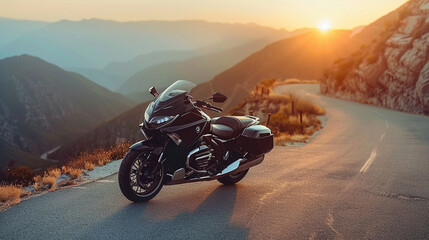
(393,69)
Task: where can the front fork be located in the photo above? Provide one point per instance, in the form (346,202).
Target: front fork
(159,163)
(156,152)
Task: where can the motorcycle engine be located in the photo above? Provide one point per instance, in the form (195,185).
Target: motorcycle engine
(206,156)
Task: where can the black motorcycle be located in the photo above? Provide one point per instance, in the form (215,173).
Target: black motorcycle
(183,144)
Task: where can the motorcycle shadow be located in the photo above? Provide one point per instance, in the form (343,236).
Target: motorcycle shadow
(209,220)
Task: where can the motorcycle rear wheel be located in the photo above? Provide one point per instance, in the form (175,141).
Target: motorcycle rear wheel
(232,179)
(135,181)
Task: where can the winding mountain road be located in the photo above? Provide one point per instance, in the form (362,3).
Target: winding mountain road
(364,176)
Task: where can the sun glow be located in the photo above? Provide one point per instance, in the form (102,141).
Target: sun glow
(324,25)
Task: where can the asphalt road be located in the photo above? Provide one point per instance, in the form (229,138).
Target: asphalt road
(365,176)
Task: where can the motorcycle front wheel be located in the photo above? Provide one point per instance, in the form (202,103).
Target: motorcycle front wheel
(136,179)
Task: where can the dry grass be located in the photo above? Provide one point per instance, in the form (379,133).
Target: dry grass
(292,119)
(48,179)
(98,157)
(72,172)
(85,161)
(283,139)
(10,193)
(294,81)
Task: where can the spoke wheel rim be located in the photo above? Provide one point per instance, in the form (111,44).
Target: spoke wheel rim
(141,183)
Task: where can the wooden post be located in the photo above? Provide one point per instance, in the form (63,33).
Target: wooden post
(268,105)
(268,119)
(293,107)
(300,117)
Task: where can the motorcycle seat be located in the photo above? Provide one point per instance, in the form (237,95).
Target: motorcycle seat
(231,126)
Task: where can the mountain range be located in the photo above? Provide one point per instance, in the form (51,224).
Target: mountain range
(95,43)
(12,29)
(43,106)
(197,69)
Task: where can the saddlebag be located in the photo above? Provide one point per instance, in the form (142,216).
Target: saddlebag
(257,140)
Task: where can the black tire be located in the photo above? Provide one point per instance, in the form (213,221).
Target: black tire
(129,186)
(233,178)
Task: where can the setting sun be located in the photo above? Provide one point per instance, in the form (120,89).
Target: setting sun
(324,25)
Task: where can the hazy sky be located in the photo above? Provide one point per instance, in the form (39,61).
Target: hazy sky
(289,14)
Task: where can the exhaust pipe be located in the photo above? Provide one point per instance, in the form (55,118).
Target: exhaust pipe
(238,166)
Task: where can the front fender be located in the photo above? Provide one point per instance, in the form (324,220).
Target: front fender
(144,145)
(147,145)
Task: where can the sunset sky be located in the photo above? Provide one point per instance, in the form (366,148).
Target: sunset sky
(289,14)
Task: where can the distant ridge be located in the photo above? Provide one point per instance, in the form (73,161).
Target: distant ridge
(94,43)
(42,106)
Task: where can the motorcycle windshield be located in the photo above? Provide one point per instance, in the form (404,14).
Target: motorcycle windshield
(170,102)
(177,88)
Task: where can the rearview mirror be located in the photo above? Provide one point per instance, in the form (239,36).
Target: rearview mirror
(152,90)
(219,97)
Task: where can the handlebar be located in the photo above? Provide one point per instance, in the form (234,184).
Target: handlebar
(208,106)
(216,109)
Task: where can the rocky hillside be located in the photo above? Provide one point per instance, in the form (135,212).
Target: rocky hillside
(393,69)
(42,106)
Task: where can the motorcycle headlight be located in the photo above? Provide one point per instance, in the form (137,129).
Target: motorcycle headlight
(148,111)
(160,121)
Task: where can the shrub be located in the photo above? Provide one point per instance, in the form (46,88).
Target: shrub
(49,181)
(118,151)
(72,172)
(88,166)
(38,183)
(281,122)
(98,157)
(20,175)
(267,82)
(49,178)
(10,193)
